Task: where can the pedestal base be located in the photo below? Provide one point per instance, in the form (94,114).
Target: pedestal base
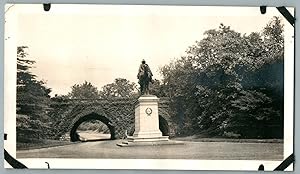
(147,139)
(154,141)
(147,134)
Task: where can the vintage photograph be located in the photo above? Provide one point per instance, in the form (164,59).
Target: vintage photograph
(148,86)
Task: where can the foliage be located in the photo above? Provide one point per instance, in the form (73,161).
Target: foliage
(119,88)
(60,98)
(94,125)
(84,91)
(229,82)
(157,88)
(32,99)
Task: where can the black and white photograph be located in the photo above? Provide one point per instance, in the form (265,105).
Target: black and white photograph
(148,87)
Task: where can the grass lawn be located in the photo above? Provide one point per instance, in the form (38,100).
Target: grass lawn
(187,150)
(40,143)
(28,144)
(200,139)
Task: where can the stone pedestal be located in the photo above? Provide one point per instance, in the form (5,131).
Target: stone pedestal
(146,123)
(146,117)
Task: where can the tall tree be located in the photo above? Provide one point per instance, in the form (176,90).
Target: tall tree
(32,99)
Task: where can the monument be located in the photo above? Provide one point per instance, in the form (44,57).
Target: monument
(146,120)
(146,114)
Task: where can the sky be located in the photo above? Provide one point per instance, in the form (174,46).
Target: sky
(98,43)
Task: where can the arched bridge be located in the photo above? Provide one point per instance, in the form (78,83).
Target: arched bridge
(117,114)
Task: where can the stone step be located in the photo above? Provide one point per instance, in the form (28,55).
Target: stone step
(147,139)
(122,144)
(149,143)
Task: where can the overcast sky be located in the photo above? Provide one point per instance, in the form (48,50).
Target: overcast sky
(98,43)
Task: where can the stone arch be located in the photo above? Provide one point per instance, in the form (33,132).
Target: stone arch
(166,124)
(92,116)
(163,126)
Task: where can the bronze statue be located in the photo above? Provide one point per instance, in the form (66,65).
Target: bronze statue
(144,76)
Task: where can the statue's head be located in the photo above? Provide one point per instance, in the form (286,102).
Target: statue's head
(143,61)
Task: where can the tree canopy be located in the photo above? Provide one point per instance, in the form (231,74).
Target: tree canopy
(85,90)
(229,82)
(119,88)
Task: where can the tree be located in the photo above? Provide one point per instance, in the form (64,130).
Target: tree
(252,110)
(32,99)
(85,90)
(209,86)
(157,88)
(119,88)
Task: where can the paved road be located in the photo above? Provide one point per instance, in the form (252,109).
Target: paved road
(92,135)
(190,150)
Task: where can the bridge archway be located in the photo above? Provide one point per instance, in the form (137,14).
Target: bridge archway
(93,116)
(164,126)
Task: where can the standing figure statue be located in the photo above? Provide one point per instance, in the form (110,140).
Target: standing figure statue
(144,76)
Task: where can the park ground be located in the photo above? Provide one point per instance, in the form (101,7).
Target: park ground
(192,148)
